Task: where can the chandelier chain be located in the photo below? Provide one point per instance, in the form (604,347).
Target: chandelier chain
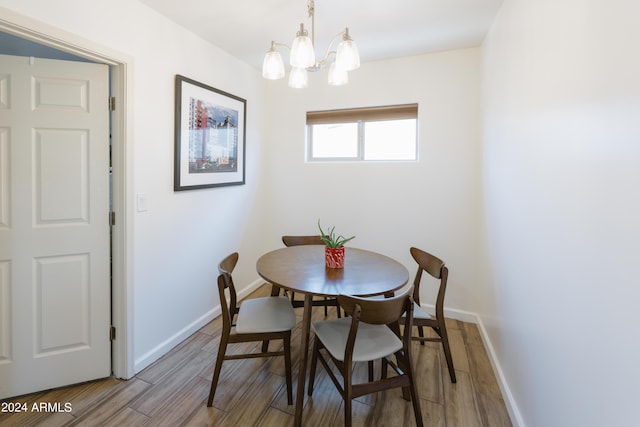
(311,5)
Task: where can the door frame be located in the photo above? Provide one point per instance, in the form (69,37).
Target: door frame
(121,78)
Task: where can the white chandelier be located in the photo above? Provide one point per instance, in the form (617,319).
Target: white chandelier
(302,57)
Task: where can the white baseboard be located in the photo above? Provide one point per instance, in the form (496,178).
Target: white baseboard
(468,316)
(510,403)
(160,350)
(250,288)
(462,315)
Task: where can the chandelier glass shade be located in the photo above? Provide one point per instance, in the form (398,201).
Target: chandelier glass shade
(347,56)
(337,76)
(302,53)
(302,57)
(298,78)
(272,66)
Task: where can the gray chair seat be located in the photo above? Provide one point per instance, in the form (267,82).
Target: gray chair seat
(372,342)
(269,314)
(419,313)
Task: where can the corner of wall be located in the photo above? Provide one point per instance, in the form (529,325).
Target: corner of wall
(510,402)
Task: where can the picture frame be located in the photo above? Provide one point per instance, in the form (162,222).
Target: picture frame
(210,141)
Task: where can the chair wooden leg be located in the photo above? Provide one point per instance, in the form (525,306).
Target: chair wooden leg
(326,309)
(447,353)
(383,368)
(421,334)
(275,291)
(370,366)
(348,393)
(314,363)
(218,367)
(265,346)
(287,367)
(402,360)
(415,400)
(347,412)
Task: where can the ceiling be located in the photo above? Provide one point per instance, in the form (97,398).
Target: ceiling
(382,29)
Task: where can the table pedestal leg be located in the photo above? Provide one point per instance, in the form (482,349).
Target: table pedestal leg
(304,354)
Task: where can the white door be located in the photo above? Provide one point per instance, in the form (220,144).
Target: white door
(54,231)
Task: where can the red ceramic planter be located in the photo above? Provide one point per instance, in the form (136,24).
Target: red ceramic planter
(334,257)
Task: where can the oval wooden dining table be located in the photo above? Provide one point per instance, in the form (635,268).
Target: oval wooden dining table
(302,269)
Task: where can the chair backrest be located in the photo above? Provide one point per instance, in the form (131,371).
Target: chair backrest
(387,311)
(302,240)
(228,263)
(382,311)
(437,269)
(225,281)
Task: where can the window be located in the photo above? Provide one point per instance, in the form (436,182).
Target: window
(363,134)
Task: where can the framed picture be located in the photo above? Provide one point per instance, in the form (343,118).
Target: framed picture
(209,137)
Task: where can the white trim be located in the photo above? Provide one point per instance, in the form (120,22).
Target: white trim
(510,402)
(250,288)
(471,317)
(164,347)
(468,316)
(122,74)
(160,350)
(122,232)
(453,313)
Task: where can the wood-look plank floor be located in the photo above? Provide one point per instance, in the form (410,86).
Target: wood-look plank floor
(251,392)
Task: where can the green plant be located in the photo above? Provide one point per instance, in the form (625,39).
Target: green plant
(331,240)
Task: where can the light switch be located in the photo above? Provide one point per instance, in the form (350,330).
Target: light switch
(142,202)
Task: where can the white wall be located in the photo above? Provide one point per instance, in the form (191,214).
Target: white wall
(431,204)
(180,239)
(556,173)
(561,171)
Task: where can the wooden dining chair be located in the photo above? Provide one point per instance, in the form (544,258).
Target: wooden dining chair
(310,240)
(437,269)
(256,319)
(371,333)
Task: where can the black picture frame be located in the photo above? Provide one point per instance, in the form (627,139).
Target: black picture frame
(210,136)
